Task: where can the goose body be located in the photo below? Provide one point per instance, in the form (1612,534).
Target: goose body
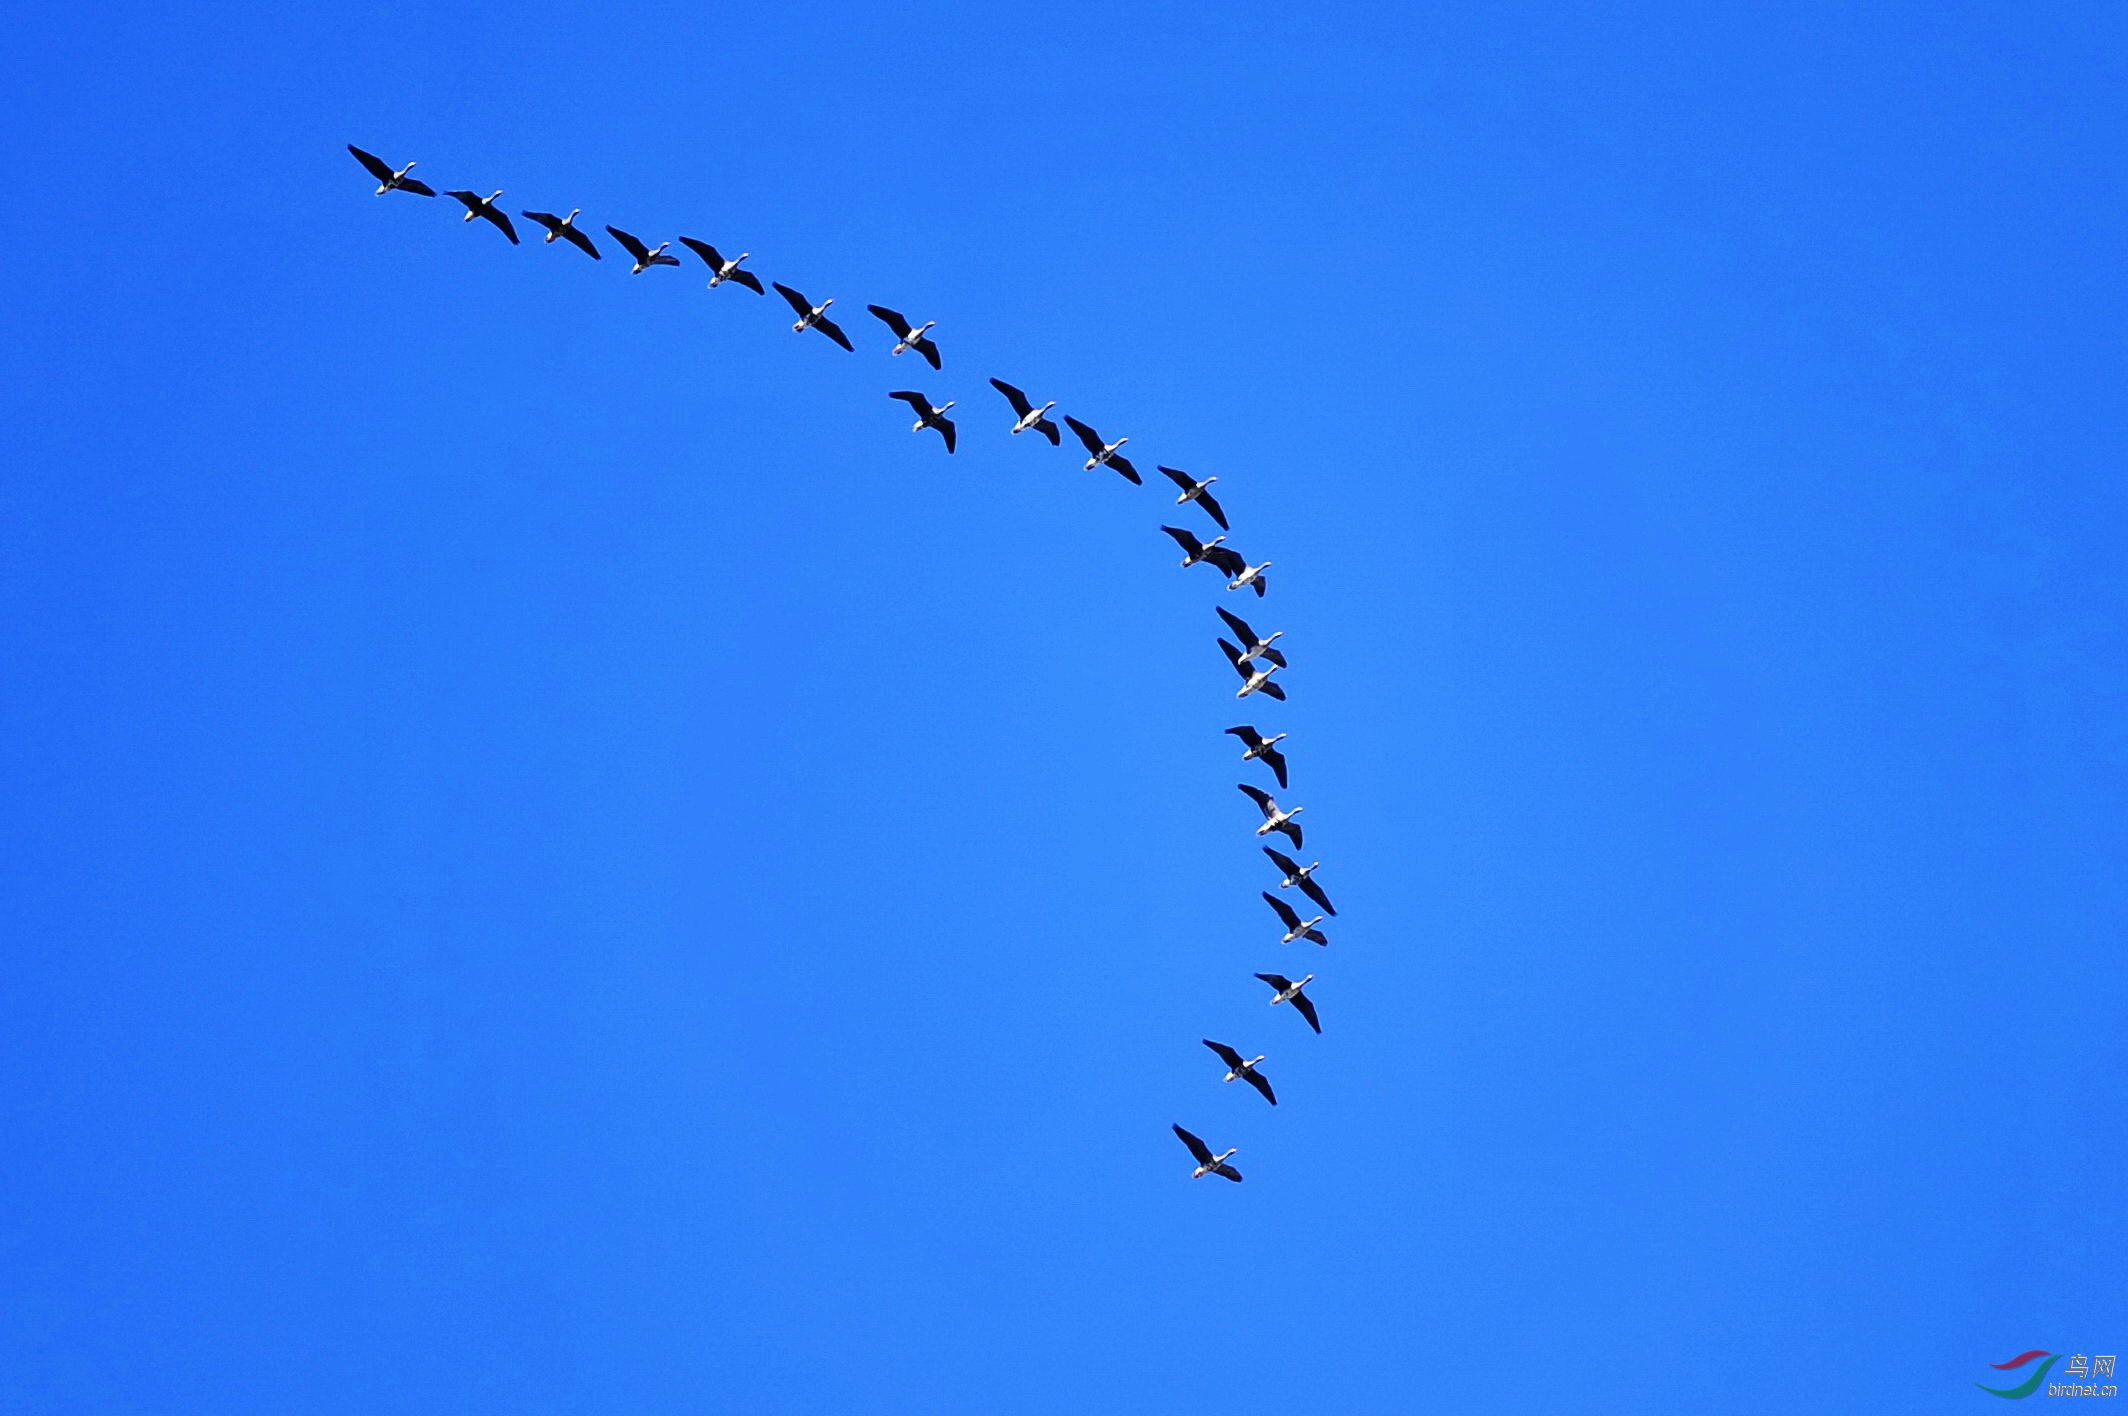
(1245,1069)
(1030,418)
(387,179)
(1301,875)
(1207,1163)
(1256,745)
(811,316)
(1104,453)
(563,228)
(1255,678)
(1285,990)
(906,338)
(1194,491)
(1275,818)
(486,210)
(1213,552)
(720,269)
(927,416)
(1258,646)
(645,257)
(1246,575)
(1296,927)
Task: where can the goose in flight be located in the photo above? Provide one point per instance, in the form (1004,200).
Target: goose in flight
(1246,575)
(1194,550)
(720,269)
(1296,927)
(1207,1163)
(1194,491)
(564,228)
(1255,678)
(1259,647)
(1103,452)
(1244,1069)
(645,258)
(927,416)
(1274,818)
(1029,415)
(486,210)
(811,316)
(905,337)
(390,181)
(1301,875)
(1285,990)
(1255,744)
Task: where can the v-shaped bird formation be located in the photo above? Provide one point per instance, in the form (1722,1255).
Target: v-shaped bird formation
(1249,652)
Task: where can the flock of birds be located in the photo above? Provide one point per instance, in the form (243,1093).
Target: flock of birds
(1254,656)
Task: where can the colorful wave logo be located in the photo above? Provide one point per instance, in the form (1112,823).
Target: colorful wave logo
(2031,1383)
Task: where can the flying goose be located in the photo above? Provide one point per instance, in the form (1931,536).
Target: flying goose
(1246,1070)
(1274,818)
(1259,647)
(811,316)
(390,181)
(645,258)
(905,337)
(1194,550)
(1194,491)
(564,227)
(1207,1163)
(1245,575)
(927,416)
(720,269)
(485,208)
(1297,874)
(1285,990)
(1296,927)
(1255,744)
(1255,678)
(1029,415)
(1104,452)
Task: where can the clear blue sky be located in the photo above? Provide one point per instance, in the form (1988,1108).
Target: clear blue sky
(559,860)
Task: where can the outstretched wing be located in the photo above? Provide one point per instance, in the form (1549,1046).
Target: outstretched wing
(1236,623)
(1228,560)
(629,244)
(1049,430)
(1258,795)
(1227,1172)
(1017,399)
(1212,509)
(1306,1008)
(1315,892)
(892,319)
(1181,479)
(582,242)
(501,219)
(1234,658)
(1292,832)
(945,430)
(1226,1054)
(1282,861)
(1130,474)
(915,400)
(1317,936)
(1198,1148)
(378,167)
(1248,735)
(1257,1080)
(1190,544)
(834,331)
(929,350)
(415,185)
(1276,761)
(1085,434)
(1258,582)
(792,298)
(707,252)
(1272,690)
(1284,910)
(748,279)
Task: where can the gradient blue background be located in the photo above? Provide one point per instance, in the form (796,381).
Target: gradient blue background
(558,860)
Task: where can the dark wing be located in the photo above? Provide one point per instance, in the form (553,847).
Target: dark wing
(1315,892)
(378,167)
(1017,399)
(748,279)
(792,298)
(1190,544)
(1257,1080)
(1085,434)
(707,252)
(834,331)
(1234,658)
(1276,761)
(1261,797)
(1239,625)
(415,185)
(915,400)
(1226,1054)
(545,218)
(945,430)
(929,350)
(470,199)
(892,319)
(501,219)
(1317,936)
(1212,509)
(1049,430)
(1228,560)
(1292,830)
(1272,690)
(1198,1148)
(1277,981)
(1258,583)
(1285,911)
(662,259)
(1306,1008)
(1248,735)
(1181,479)
(629,244)
(1227,1172)
(582,242)
(1123,464)
(1282,861)
(1274,656)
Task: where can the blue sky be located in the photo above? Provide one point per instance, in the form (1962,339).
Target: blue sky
(558,859)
